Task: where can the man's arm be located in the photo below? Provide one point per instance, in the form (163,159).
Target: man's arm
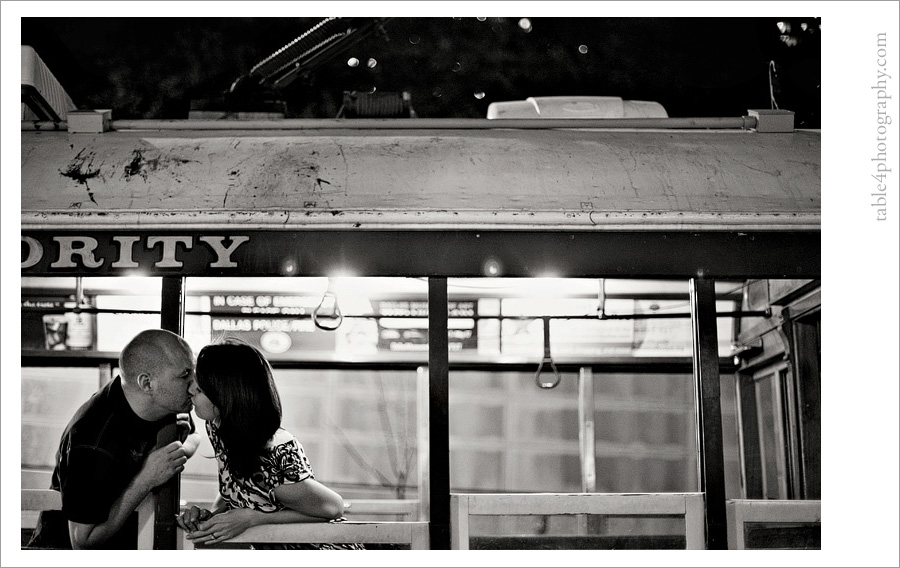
(160,466)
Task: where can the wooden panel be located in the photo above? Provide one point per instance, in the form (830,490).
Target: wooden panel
(407,507)
(147,538)
(807,354)
(751,458)
(33,500)
(805,515)
(575,503)
(344,532)
(459,522)
(783,536)
(694,522)
(777,510)
(587,542)
(688,505)
(41,500)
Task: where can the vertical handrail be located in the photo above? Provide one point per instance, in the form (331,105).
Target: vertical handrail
(707,398)
(438,413)
(168,494)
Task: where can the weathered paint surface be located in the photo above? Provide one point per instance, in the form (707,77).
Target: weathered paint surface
(564,178)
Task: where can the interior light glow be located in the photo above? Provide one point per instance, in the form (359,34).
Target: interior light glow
(492,268)
(290,266)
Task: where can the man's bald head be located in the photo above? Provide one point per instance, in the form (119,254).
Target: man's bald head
(149,351)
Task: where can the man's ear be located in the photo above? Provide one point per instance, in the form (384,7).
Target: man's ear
(144,382)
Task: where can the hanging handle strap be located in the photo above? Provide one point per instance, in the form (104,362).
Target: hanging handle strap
(334,318)
(547,360)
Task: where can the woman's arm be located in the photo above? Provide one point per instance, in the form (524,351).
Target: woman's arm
(221,526)
(311,498)
(229,524)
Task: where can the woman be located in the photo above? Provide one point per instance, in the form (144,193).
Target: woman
(264,474)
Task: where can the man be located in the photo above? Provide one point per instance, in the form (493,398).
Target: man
(106,463)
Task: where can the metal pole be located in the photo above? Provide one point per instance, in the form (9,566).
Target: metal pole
(423,441)
(586,429)
(438,123)
(438,409)
(168,498)
(711,465)
(587,448)
(691,123)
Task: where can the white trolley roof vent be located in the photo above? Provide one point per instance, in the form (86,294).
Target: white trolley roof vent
(43,98)
(576,107)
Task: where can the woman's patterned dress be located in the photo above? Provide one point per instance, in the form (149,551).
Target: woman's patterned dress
(283,461)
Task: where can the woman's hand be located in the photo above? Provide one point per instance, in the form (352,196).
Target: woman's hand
(190,519)
(223,526)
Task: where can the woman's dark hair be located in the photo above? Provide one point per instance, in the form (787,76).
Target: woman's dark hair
(237,378)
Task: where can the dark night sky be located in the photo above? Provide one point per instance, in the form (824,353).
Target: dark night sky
(160,67)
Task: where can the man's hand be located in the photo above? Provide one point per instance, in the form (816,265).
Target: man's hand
(162,464)
(183,424)
(190,519)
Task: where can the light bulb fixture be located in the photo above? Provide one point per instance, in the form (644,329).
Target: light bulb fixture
(290,266)
(492,268)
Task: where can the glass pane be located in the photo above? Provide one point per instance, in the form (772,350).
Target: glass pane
(524,439)
(50,396)
(338,318)
(771,437)
(50,319)
(358,429)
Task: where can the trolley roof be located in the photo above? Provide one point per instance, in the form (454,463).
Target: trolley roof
(212,174)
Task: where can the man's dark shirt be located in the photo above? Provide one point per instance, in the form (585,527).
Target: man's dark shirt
(101,451)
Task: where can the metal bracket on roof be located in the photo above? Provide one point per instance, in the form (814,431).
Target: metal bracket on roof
(773,120)
(88,121)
